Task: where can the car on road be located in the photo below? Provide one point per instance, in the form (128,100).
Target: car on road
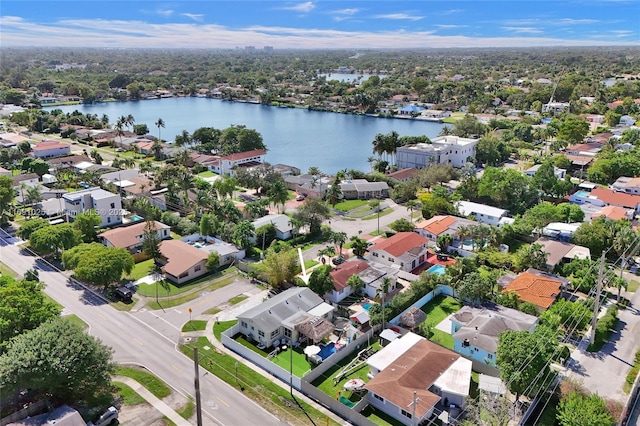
(338,260)
(119,150)
(300,197)
(110,417)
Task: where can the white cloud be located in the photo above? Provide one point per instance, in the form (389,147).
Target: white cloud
(570,21)
(451,11)
(523,30)
(347,12)
(139,34)
(305,7)
(195,16)
(446,26)
(164,12)
(399,16)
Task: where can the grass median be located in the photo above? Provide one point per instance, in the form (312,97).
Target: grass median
(153,384)
(165,303)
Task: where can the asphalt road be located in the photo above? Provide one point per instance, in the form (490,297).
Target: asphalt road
(144,339)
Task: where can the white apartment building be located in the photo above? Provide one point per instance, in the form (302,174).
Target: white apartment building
(442,150)
(106,204)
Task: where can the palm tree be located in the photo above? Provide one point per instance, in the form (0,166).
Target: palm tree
(118,127)
(278,193)
(338,238)
(159,124)
(129,120)
(382,294)
(156,147)
(371,160)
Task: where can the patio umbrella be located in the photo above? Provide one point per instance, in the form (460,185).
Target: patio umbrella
(413,317)
(354,384)
(312,350)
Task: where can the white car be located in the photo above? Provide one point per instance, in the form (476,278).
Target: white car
(109,417)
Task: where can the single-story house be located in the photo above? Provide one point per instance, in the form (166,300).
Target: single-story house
(26,179)
(406,249)
(403,175)
(628,185)
(312,186)
(619,199)
(227,252)
(561,251)
(476,331)
(278,317)
(417,371)
(441,225)
(560,230)
(614,213)
(361,189)
(481,212)
(61,416)
(558,172)
(281,222)
(131,237)
(371,273)
(182,262)
(50,148)
(537,287)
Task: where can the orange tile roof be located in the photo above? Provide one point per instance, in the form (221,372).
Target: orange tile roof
(128,236)
(612,212)
(246,154)
(180,256)
(400,243)
(616,198)
(343,272)
(50,145)
(537,289)
(437,224)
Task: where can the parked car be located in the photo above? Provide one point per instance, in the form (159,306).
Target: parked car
(300,197)
(124,294)
(338,260)
(110,417)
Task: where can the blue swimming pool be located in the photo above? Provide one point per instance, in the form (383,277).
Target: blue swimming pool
(327,350)
(366,306)
(583,194)
(436,269)
(136,218)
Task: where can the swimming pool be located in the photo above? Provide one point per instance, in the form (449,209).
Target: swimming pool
(583,194)
(436,269)
(366,306)
(136,218)
(327,350)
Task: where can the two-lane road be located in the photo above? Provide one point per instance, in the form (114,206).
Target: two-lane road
(144,342)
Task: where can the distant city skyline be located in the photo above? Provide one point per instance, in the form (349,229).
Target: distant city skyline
(327,24)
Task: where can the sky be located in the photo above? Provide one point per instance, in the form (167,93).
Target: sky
(319,24)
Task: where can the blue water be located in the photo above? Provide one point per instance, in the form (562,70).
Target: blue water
(366,306)
(293,136)
(327,350)
(436,269)
(583,194)
(136,218)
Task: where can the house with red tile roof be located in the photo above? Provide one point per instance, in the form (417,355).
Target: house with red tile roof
(182,262)
(613,213)
(537,287)
(51,148)
(371,273)
(241,159)
(406,249)
(403,175)
(441,225)
(618,199)
(131,237)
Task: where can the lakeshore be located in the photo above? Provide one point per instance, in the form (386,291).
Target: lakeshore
(295,136)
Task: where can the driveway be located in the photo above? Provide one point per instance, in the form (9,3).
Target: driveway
(604,372)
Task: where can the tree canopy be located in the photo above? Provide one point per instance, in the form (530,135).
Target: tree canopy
(86,222)
(320,280)
(579,409)
(59,360)
(97,264)
(54,238)
(280,266)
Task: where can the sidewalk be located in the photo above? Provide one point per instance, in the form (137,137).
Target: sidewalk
(231,314)
(155,402)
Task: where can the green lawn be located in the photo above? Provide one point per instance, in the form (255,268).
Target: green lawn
(308,264)
(128,395)
(379,418)
(439,308)
(298,358)
(442,338)
(325,381)
(633,286)
(237,299)
(5,270)
(74,319)
(121,306)
(156,386)
(194,325)
(347,205)
(212,311)
(141,269)
(262,390)
(207,174)
(176,301)
(167,289)
(220,327)
(376,215)
(186,411)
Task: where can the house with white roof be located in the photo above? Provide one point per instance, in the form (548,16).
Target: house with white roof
(106,204)
(281,222)
(442,150)
(481,212)
(476,331)
(277,318)
(412,370)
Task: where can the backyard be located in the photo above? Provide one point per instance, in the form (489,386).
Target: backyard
(437,310)
(297,362)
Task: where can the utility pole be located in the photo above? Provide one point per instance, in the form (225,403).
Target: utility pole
(197,385)
(596,305)
(413,408)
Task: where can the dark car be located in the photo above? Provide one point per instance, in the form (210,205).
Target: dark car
(124,294)
(338,260)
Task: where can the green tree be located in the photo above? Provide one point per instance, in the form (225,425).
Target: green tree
(58,360)
(243,234)
(23,306)
(573,130)
(530,256)
(208,224)
(86,222)
(278,193)
(6,198)
(159,124)
(521,357)
(53,239)
(358,246)
(97,264)
(320,280)
(312,213)
(31,225)
(151,244)
(356,283)
(476,287)
(265,235)
(578,409)
(508,189)
(213,261)
(402,225)
(281,266)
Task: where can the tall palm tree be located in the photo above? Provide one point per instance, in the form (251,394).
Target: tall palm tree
(118,127)
(159,124)
(129,121)
(156,147)
(382,294)
(278,193)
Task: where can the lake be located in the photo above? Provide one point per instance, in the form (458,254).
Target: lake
(293,136)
